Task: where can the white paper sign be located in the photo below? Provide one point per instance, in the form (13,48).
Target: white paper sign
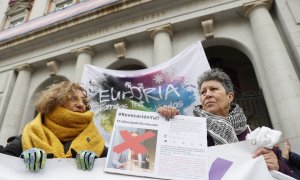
(145,144)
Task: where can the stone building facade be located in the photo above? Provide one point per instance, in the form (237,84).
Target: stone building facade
(256,41)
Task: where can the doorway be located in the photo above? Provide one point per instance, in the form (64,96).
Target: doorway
(247,91)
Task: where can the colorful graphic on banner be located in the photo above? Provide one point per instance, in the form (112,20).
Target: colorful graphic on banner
(173,83)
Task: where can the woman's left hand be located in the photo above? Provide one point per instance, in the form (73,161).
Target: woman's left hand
(84,159)
(168,112)
(270,158)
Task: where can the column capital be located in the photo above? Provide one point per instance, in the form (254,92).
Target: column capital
(22,67)
(248,7)
(165,28)
(85,49)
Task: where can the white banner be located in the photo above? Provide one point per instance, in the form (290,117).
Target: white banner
(232,161)
(173,83)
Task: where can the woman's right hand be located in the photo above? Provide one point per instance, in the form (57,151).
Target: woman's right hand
(270,158)
(34,159)
(168,112)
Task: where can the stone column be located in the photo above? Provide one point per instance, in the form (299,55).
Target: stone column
(162,43)
(84,56)
(14,113)
(280,74)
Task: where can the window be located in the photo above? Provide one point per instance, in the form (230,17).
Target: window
(16,18)
(55,5)
(16,22)
(63,5)
(17,13)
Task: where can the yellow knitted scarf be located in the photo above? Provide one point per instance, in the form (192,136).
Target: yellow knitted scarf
(49,131)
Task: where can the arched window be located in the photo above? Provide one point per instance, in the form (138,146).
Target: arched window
(127,64)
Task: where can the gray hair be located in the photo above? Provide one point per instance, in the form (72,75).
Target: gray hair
(218,75)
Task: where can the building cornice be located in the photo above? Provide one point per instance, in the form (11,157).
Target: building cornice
(248,7)
(71,22)
(19,5)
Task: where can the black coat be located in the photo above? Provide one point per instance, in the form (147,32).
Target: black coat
(14,148)
(294,164)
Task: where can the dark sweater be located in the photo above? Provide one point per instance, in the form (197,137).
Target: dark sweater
(294,164)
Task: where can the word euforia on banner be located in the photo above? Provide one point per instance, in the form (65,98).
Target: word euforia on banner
(172,83)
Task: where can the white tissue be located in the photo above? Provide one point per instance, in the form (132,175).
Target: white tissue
(264,137)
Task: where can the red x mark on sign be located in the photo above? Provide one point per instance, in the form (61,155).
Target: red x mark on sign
(133,142)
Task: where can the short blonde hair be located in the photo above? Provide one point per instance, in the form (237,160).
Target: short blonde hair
(56,95)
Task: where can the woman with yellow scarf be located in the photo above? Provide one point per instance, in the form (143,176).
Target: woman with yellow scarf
(64,128)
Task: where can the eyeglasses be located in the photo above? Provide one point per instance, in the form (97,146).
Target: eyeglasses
(84,100)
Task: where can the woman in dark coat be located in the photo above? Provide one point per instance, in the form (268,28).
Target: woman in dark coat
(226,122)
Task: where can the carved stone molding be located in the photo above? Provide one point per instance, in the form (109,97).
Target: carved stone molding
(208,27)
(248,7)
(15,6)
(120,48)
(85,49)
(52,67)
(27,67)
(165,28)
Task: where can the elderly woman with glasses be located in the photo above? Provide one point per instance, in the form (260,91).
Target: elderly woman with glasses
(63,128)
(226,122)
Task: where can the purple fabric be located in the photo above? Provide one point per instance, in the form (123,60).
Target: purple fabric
(11,2)
(218,168)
